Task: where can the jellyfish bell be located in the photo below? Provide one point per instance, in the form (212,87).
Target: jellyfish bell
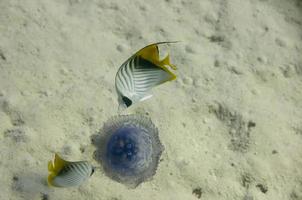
(129,149)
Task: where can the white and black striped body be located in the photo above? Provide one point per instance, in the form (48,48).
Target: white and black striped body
(135,78)
(73,174)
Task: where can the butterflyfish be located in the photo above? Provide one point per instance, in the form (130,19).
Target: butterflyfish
(64,173)
(140,73)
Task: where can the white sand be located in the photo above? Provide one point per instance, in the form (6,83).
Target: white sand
(231,124)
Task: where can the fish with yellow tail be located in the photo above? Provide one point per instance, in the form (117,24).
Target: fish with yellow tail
(64,173)
(140,73)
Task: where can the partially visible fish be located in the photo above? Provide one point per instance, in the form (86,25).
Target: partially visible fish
(64,173)
(140,73)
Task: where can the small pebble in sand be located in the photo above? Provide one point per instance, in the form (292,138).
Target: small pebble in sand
(189,49)
(262,59)
(44,196)
(2,55)
(82,149)
(25,93)
(197,82)
(281,42)
(211,18)
(15,178)
(216,63)
(197,192)
(235,70)
(45,93)
(2,93)
(217,38)
(187,80)
(120,48)
(262,188)
(205,120)
(255,91)
(274,151)
(288,71)
(251,124)
(64,71)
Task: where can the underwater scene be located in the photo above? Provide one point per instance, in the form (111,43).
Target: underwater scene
(151,100)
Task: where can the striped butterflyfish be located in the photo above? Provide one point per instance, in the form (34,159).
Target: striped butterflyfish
(62,173)
(140,73)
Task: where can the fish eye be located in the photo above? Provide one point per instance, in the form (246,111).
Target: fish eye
(127,101)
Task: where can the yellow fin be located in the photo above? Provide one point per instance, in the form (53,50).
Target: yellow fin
(50,179)
(166,61)
(54,167)
(151,52)
(59,162)
(50,173)
(50,166)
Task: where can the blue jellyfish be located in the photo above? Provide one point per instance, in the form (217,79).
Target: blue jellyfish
(129,149)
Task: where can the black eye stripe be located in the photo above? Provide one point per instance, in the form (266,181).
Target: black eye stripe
(127,101)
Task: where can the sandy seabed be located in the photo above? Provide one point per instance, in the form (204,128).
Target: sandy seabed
(231,123)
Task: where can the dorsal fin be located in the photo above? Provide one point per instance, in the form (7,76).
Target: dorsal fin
(59,163)
(151,51)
